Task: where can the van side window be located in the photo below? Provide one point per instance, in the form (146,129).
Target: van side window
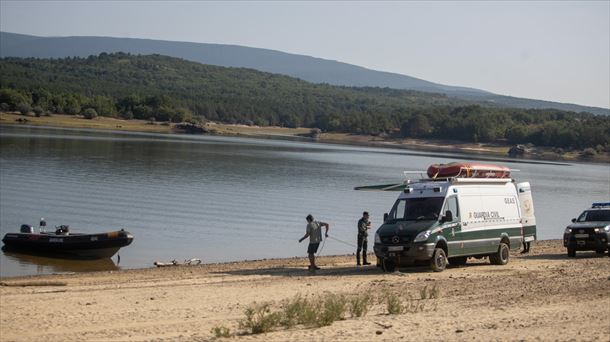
(452,205)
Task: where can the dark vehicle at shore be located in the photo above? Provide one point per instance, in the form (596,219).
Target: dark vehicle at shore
(590,231)
(64,244)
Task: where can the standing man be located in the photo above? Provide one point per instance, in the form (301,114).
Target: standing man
(363,226)
(314,232)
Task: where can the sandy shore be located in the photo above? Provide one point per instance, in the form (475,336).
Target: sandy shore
(541,296)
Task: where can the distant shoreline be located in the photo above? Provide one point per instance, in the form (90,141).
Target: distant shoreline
(489,151)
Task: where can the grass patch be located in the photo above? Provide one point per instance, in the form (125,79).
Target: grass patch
(333,309)
(221,331)
(260,319)
(429,293)
(393,303)
(359,305)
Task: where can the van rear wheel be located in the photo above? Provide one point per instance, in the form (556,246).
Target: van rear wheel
(501,256)
(439,260)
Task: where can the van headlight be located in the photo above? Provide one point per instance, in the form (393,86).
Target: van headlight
(568,230)
(423,236)
(377,238)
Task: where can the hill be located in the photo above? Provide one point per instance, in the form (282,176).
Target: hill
(315,70)
(167,88)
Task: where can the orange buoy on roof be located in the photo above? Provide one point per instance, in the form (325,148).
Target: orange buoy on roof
(468,170)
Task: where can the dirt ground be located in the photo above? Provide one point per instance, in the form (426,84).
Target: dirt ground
(543,296)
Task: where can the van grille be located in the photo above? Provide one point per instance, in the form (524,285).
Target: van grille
(395,239)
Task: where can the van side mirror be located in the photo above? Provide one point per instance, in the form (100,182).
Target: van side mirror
(385,217)
(448,216)
(573,220)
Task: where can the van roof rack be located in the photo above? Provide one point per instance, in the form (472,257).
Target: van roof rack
(600,205)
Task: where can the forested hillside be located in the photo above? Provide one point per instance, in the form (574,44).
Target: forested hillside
(167,88)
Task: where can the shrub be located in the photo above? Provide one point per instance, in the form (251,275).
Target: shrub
(24,108)
(259,319)
(221,331)
(90,113)
(128,115)
(359,305)
(588,152)
(38,111)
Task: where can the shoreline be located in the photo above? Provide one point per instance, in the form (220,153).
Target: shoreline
(535,296)
(243,263)
(488,151)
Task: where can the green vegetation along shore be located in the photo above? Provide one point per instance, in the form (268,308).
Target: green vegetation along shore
(164,89)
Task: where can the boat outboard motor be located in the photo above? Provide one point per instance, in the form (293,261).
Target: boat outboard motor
(26,228)
(42,225)
(64,229)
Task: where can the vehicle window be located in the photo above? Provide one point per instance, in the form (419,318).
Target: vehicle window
(452,205)
(594,216)
(416,209)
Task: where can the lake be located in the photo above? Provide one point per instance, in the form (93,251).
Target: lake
(224,198)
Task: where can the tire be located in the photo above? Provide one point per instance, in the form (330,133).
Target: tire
(439,260)
(501,256)
(388,266)
(458,261)
(600,251)
(571,252)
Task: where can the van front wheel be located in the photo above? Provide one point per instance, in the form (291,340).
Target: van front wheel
(439,260)
(387,265)
(501,256)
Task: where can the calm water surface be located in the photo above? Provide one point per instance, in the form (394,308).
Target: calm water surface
(224,199)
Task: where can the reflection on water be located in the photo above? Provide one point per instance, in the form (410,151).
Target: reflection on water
(18,262)
(225,199)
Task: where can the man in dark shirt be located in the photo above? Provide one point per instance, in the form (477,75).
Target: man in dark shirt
(363,226)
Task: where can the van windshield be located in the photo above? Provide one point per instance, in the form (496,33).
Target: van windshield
(412,209)
(594,216)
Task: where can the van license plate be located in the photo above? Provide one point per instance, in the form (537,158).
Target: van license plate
(395,248)
(580,243)
(581,236)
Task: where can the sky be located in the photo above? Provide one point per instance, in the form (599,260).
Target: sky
(549,50)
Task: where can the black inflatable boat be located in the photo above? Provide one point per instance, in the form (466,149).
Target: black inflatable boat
(63,243)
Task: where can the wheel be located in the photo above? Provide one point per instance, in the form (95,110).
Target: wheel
(501,256)
(439,260)
(458,261)
(571,252)
(600,251)
(388,266)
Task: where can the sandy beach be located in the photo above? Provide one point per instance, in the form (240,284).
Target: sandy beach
(540,296)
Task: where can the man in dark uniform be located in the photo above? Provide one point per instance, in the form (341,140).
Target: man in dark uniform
(363,226)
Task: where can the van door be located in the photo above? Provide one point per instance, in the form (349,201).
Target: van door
(526,204)
(452,229)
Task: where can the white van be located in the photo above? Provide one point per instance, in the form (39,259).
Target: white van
(451,219)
